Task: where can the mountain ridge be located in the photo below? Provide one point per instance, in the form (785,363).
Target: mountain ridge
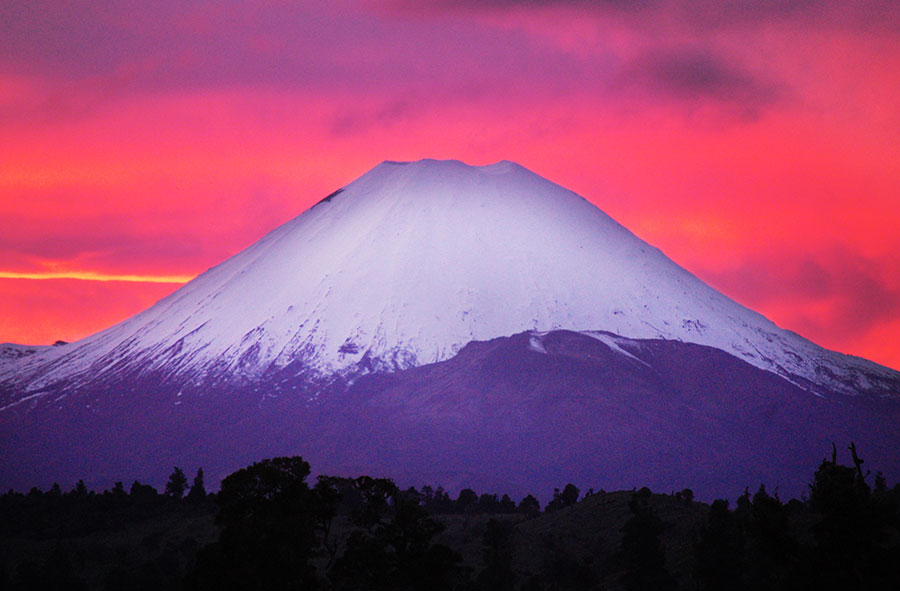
(411,261)
(479,325)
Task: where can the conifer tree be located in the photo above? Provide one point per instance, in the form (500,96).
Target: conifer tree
(177,483)
(198,490)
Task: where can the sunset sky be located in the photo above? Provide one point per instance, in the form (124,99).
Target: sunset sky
(756,142)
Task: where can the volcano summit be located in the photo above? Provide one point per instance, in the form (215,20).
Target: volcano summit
(471,326)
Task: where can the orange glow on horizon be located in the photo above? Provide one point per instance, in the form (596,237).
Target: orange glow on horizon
(94,276)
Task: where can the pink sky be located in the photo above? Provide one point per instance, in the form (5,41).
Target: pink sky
(757,143)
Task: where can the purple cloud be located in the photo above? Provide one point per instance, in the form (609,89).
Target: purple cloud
(859,293)
(696,74)
(693,14)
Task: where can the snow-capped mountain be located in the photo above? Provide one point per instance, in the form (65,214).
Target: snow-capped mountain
(460,325)
(410,262)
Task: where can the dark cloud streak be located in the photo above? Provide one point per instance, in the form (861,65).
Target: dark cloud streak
(693,14)
(693,75)
(852,286)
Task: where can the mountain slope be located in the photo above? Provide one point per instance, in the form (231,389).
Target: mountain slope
(537,410)
(372,334)
(520,414)
(406,265)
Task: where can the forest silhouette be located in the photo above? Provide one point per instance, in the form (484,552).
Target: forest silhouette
(270,526)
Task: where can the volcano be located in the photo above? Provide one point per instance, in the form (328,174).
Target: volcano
(463,325)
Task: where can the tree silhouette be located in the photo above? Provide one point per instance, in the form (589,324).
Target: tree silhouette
(269,520)
(856,532)
(642,552)
(437,501)
(466,501)
(142,494)
(393,552)
(374,496)
(565,498)
(198,490)
(529,506)
(771,548)
(719,551)
(80,490)
(507,505)
(177,483)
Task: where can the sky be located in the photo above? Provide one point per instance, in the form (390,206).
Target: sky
(756,142)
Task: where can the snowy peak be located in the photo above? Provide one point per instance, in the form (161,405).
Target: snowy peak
(411,261)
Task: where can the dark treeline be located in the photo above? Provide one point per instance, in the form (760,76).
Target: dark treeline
(271,527)
(58,514)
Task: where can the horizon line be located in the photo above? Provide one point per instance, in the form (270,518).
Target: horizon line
(95,276)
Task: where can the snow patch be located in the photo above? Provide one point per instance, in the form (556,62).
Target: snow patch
(535,344)
(614,344)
